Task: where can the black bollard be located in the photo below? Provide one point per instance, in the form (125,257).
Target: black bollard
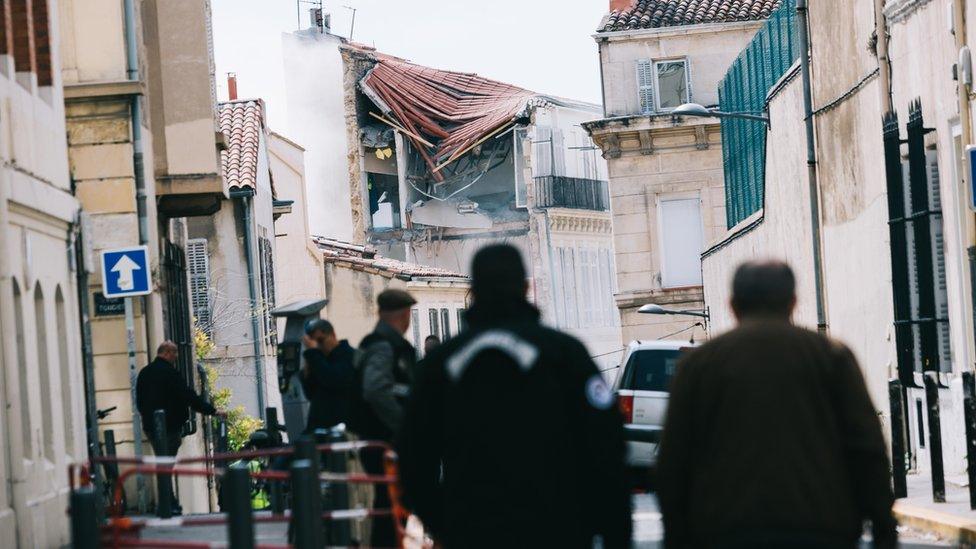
(339,532)
(306,506)
(935,437)
(969,414)
(898,466)
(240,522)
(164,483)
(84,524)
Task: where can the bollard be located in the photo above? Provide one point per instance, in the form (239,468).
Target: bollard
(339,532)
(969,414)
(240,522)
(898,466)
(164,484)
(935,437)
(84,524)
(306,507)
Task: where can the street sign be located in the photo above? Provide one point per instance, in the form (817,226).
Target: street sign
(108,306)
(971,172)
(125,272)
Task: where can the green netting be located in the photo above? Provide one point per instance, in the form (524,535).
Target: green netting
(744,88)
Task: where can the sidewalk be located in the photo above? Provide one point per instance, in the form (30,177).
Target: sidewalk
(952,521)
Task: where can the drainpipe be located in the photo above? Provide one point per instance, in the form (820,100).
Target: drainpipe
(801,12)
(132,71)
(245,195)
(884,62)
(966,127)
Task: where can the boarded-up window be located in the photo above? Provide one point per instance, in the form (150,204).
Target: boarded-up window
(680,227)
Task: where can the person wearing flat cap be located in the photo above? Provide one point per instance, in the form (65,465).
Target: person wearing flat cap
(385,370)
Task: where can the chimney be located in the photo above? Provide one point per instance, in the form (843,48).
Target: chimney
(232,86)
(620,5)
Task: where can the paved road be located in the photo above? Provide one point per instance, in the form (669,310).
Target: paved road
(648,530)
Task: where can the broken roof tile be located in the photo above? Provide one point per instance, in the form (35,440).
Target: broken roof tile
(651,14)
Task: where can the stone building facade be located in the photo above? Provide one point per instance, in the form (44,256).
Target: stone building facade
(666,175)
(41,384)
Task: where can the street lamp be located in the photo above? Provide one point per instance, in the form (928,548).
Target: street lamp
(694,109)
(655,309)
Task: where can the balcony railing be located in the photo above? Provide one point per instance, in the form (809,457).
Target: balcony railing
(571,192)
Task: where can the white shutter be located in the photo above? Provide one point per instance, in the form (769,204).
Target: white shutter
(569,285)
(645,85)
(558,152)
(198,265)
(681,242)
(542,147)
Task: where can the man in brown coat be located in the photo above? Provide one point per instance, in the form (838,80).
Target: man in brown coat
(771,439)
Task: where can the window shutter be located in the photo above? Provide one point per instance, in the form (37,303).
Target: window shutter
(432,317)
(938,260)
(199,270)
(645,85)
(912,269)
(558,152)
(446,323)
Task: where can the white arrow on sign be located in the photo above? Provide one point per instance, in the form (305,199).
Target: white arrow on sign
(124,266)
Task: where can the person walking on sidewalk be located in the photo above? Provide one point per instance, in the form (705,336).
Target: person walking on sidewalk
(383,377)
(771,439)
(160,387)
(512,437)
(327,377)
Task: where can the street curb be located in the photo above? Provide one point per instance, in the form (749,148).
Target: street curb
(952,528)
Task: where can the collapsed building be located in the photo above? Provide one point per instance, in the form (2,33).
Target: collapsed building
(451,161)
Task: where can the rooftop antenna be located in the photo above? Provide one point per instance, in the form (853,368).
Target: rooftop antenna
(352,28)
(298,10)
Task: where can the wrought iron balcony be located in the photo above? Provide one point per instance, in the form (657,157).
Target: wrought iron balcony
(571,192)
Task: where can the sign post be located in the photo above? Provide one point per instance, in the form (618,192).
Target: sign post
(125,274)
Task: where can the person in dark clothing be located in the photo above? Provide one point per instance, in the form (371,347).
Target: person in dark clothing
(160,387)
(512,437)
(327,376)
(431,342)
(384,377)
(771,439)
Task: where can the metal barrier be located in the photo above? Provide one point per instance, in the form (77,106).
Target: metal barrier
(306,519)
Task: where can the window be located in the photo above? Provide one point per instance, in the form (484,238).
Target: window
(542,152)
(44,372)
(568,268)
(461,324)
(384,201)
(672,85)
(432,319)
(521,190)
(415,323)
(22,369)
(680,228)
(445,324)
(199,271)
(266,256)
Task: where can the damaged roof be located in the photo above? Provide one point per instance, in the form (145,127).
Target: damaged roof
(242,122)
(652,14)
(447,112)
(367,260)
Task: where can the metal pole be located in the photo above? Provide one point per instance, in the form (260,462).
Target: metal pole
(898,468)
(130,339)
(969,412)
(307,507)
(164,483)
(812,177)
(240,522)
(84,521)
(935,437)
(111,467)
(338,532)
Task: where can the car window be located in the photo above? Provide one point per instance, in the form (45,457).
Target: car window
(650,370)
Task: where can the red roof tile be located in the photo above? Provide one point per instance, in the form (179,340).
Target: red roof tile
(366,259)
(242,122)
(651,14)
(452,110)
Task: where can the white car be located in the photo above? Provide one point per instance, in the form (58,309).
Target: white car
(642,387)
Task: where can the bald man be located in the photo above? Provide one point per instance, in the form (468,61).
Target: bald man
(161,387)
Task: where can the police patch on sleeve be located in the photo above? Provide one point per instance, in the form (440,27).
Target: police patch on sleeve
(598,393)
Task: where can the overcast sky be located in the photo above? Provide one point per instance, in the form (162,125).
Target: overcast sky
(543,45)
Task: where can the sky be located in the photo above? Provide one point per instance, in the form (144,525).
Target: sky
(542,45)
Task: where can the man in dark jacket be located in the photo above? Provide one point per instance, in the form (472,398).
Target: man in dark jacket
(327,376)
(160,387)
(512,437)
(771,439)
(384,376)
